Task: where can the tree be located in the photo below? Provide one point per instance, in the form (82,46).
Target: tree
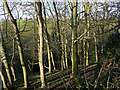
(74,37)
(3,80)
(87,29)
(4,60)
(40,42)
(60,37)
(66,58)
(20,49)
(13,57)
(5,63)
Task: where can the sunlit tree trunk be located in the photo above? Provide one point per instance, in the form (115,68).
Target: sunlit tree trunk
(47,38)
(84,50)
(4,60)
(66,58)
(20,49)
(11,66)
(63,53)
(53,61)
(4,83)
(74,37)
(96,52)
(95,38)
(87,28)
(40,43)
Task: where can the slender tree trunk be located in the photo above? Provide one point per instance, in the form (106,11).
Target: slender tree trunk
(87,28)
(80,47)
(95,39)
(59,36)
(58,27)
(63,54)
(50,67)
(4,83)
(66,59)
(96,52)
(40,43)
(20,49)
(6,32)
(84,50)
(53,61)
(12,68)
(74,37)
(47,38)
(4,60)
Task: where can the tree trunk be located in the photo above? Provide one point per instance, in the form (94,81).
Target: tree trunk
(47,39)
(74,37)
(4,83)
(40,43)
(20,49)
(62,56)
(4,60)
(84,50)
(58,35)
(53,61)
(66,59)
(96,52)
(12,68)
(87,28)
(58,27)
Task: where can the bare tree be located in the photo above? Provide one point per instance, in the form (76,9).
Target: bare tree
(87,29)
(74,37)
(40,42)
(4,60)
(47,38)
(20,49)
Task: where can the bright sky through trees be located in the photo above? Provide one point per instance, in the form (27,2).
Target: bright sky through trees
(60,0)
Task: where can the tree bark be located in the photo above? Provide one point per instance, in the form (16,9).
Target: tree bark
(3,81)
(40,43)
(20,49)
(87,28)
(59,36)
(58,27)
(12,68)
(4,60)
(66,59)
(74,37)
(47,38)
(96,52)
(53,61)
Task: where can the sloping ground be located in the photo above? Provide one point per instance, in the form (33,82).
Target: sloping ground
(62,79)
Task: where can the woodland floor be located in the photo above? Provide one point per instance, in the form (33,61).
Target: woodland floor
(59,79)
